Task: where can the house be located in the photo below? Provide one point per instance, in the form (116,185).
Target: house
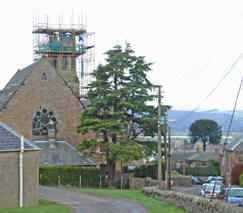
(10,169)
(233,156)
(192,158)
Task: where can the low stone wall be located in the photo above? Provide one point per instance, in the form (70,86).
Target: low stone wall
(139,183)
(191,203)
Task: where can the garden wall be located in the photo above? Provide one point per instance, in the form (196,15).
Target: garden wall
(139,183)
(191,203)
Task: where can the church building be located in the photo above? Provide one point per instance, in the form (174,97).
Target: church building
(44,98)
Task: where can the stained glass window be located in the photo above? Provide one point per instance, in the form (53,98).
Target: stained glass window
(42,121)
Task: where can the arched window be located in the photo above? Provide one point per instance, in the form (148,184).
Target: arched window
(42,121)
(43,77)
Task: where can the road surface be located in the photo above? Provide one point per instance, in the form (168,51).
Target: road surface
(82,202)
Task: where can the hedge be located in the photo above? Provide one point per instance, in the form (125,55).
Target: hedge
(70,175)
(197,171)
(241,179)
(149,171)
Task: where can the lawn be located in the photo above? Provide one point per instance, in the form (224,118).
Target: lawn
(152,205)
(44,207)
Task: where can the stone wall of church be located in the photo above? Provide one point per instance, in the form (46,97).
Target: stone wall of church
(51,93)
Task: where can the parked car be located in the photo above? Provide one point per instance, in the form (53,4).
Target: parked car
(235,196)
(212,191)
(203,188)
(197,180)
(217,182)
(219,178)
(210,178)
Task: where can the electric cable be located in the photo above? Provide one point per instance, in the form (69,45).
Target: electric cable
(231,120)
(212,91)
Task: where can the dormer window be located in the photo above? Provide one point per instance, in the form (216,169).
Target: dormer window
(44,77)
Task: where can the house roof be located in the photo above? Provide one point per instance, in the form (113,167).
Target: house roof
(236,145)
(10,140)
(63,155)
(194,156)
(16,81)
(202,156)
(180,155)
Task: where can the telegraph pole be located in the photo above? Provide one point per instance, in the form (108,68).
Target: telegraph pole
(169,171)
(166,157)
(159,138)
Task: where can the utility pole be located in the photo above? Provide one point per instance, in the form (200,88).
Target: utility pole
(159,138)
(184,158)
(169,171)
(166,157)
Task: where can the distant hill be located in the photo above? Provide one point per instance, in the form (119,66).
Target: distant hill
(185,118)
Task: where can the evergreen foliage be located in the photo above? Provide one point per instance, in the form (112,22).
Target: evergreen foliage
(197,171)
(205,130)
(214,165)
(149,171)
(241,179)
(119,109)
(70,175)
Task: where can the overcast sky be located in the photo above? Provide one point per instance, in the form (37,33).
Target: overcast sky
(193,43)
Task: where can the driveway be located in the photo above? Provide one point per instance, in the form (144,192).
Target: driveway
(83,202)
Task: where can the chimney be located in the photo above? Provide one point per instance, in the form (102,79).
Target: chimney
(52,136)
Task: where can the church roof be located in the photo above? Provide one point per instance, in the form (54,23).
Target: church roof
(14,83)
(10,140)
(236,145)
(63,155)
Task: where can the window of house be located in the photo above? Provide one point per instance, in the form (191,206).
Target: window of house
(42,121)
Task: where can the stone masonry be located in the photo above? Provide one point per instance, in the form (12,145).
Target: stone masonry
(9,179)
(53,94)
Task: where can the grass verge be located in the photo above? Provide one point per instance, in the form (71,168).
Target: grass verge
(152,205)
(45,206)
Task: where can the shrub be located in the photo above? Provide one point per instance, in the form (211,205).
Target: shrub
(149,171)
(214,165)
(70,175)
(235,174)
(196,171)
(241,179)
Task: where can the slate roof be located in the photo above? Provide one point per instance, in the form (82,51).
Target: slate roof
(194,156)
(180,155)
(202,156)
(236,145)
(14,83)
(10,140)
(63,155)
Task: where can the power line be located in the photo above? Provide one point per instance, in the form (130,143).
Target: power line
(232,116)
(212,91)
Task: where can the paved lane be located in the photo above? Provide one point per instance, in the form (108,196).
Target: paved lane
(86,203)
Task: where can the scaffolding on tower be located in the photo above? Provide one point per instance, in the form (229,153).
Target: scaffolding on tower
(60,42)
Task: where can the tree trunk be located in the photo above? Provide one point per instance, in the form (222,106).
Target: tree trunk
(204,146)
(111,171)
